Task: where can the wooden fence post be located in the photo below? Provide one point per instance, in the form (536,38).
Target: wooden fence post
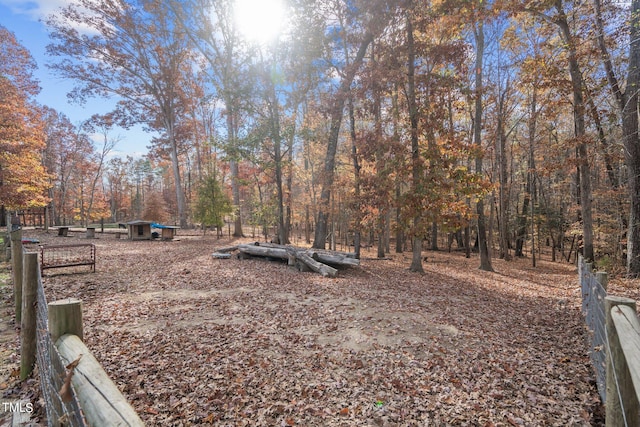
(603,279)
(6,247)
(580,276)
(589,266)
(28,327)
(619,384)
(16,259)
(65,317)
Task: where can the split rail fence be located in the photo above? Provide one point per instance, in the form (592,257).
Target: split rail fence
(614,339)
(75,388)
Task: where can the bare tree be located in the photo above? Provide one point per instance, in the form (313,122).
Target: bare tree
(133,52)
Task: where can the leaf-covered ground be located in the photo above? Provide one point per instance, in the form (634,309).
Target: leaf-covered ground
(192,340)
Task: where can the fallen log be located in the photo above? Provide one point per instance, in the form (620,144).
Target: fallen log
(221,255)
(324,269)
(304,259)
(262,251)
(292,256)
(336,253)
(333,259)
(268,245)
(226,249)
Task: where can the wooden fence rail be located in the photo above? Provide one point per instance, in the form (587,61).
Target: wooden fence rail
(623,362)
(100,400)
(620,330)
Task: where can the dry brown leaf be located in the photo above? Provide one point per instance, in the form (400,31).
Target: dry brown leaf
(252,342)
(65,391)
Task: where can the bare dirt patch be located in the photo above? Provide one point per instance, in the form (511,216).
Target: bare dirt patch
(195,340)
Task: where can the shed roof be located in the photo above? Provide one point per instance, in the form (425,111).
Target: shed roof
(161,226)
(139,222)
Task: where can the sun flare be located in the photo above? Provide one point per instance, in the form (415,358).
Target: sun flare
(259,20)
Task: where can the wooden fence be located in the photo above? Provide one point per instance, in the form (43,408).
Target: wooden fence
(614,331)
(75,388)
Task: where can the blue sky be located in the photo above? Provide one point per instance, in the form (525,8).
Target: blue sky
(22,18)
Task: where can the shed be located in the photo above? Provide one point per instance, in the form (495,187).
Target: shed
(168,231)
(139,230)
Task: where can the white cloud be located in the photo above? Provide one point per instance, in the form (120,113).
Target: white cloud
(35,9)
(41,10)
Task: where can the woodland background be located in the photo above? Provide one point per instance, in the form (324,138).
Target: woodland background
(506,123)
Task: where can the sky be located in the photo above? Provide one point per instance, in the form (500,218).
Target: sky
(23,19)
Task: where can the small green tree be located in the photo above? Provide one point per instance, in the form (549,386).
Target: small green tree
(212,204)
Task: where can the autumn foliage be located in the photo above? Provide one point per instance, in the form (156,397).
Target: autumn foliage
(23,179)
(365,123)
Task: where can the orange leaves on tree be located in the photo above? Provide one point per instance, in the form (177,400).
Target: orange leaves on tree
(23,179)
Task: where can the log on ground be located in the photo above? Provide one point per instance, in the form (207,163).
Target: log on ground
(226,249)
(221,255)
(324,269)
(333,258)
(336,253)
(296,256)
(272,252)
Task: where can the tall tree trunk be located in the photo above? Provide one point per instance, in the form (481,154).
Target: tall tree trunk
(609,163)
(233,166)
(416,163)
(467,241)
(522,218)
(175,166)
(579,122)
(485,258)
(434,236)
(336,113)
(276,137)
(399,224)
(503,190)
(396,137)
(381,174)
(288,222)
(357,226)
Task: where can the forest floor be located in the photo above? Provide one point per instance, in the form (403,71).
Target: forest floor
(192,340)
